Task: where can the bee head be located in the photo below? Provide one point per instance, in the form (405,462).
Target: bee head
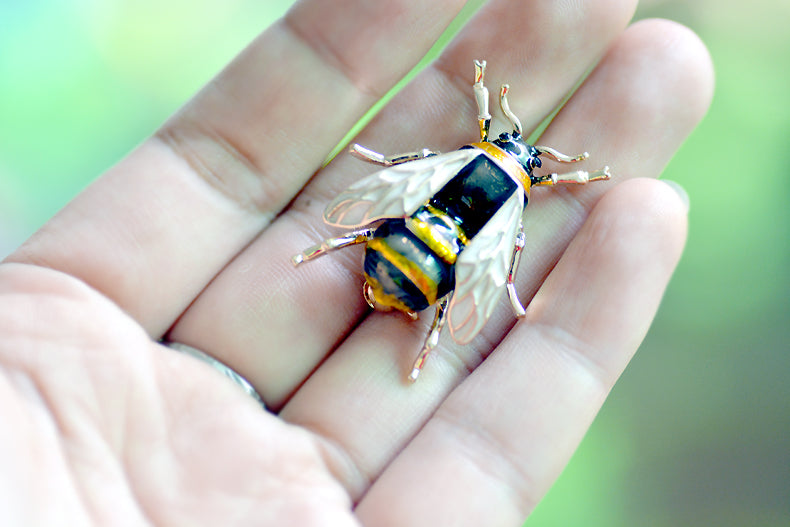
(526,155)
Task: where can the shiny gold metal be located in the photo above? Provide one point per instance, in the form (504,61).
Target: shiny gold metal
(578,177)
(518,307)
(367,293)
(562,158)
(432,339)
(332,244)
(371,156)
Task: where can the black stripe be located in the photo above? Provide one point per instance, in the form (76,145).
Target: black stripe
(392,280)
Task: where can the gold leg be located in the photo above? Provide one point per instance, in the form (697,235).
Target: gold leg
(371,156)
(515,303)
(332,244)
(433,337)
(578,177)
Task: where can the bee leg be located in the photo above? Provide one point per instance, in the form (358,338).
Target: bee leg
(481,97)
(433,337)
(518,308)
(578,177)
(332,244)
(371,156)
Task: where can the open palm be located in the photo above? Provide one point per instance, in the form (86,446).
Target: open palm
(189,239)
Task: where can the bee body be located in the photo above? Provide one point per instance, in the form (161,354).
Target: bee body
(402,271)
(445,229)
(409,263)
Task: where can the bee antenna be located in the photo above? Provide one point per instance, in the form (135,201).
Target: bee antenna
(562,158)
(508,112)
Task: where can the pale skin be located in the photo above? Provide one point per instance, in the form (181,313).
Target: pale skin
(190,238)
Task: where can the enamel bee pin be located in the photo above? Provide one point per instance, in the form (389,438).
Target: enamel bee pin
(445,229)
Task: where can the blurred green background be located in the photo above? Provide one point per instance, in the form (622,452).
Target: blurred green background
(698,430)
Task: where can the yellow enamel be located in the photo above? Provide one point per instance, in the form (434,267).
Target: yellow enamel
(432,236)
(449,222)
(409,269)
(425,232)
(506,163)
(385,299)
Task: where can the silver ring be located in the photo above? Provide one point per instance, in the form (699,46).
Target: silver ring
(217,365)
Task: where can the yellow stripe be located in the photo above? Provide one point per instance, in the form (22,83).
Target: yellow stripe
(409,269)
(439,246)
(432,236)
(425,232)
(385,299)
(449,222)
(506,163)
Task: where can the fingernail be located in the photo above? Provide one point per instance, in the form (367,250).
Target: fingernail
(679,190)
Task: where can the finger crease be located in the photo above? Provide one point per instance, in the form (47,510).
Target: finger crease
(463,359)
(492,457)
(579,351)
(340,461)
(328,54)
(227,168)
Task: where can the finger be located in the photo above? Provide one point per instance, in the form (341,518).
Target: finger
(275,323)
(628,118)
(371,364)
(156,228)
(493,448)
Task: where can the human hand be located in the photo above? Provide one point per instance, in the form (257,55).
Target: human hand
(190,237)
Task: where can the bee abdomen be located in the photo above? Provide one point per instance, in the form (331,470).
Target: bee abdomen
(403,271)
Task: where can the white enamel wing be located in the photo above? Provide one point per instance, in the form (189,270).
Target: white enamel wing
(482,267)
(397,191)
(481,270)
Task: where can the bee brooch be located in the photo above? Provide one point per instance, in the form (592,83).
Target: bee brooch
(445,229)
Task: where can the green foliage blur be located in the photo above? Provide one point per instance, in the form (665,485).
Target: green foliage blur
(698,430)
